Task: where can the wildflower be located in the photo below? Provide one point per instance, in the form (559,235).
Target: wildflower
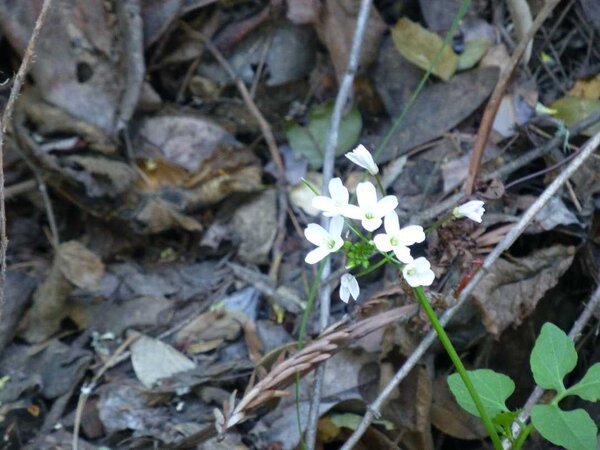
(362,157)
(327,241)
(472,210)
(398,240)
(348,287)
(369,209)
(334,205)
(418,273)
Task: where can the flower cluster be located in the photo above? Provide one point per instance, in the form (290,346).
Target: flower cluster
(372,212)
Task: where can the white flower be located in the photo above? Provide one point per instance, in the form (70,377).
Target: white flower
(472,210)
(369,209)
(418,273)
(362,157)
(348,287)
(334,205)
(327,241)
(398,240)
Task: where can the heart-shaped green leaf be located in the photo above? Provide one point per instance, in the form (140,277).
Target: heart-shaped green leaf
(574,430)
(309,140)
(552,357)
(493,389)
(588,387)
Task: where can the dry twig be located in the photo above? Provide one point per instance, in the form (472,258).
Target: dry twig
(373,409)
(494,103)
(509,168)
(267,132)
(6,117)
(329,157)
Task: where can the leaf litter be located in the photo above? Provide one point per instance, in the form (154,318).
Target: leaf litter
(158,289)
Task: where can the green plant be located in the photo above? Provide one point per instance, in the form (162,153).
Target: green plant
(552,358)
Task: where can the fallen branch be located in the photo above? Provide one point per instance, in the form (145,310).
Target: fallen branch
(494,103)
(508,168)
(328,160)
(6,117)
(374,408)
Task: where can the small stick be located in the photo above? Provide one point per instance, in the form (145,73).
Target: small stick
(510,167)
(271,144)
(374,408)
(328,161)
(87,390)
(6,118)
(494,103)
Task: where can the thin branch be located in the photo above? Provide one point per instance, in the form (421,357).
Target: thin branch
(510,167)
(574,334)
(328,161)
(374,409)
(494,103)
(6,118)
(269,137)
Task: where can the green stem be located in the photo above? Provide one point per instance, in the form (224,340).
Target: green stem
(460,368)
(309,305)
(439,223)
(464,7)
(375,266)
(379,185)
(523,435)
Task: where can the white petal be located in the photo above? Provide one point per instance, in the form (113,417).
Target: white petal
(366,195)
(338,191)
(418,273)
(391,223)
(382,242)
(316,234)
(352,212)
(316,255)
(473,210)
(354,287)
(403,254)
(323,203)
(410,235)
(363,158)
(355,159)
(344,293)
(349,286)
(426,278)
(336,224)
(371,224)
(339,242)
(386,205)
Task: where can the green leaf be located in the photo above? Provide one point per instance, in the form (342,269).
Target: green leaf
(310,140)
(574,430)
(552,357)
(493,389)
(588,387)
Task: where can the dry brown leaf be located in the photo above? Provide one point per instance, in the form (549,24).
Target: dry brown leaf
(73,266)
(586,88)
(79,59)
(420,47)
(79,265)
(336,29)
(211,326)
(255,222)
(512,288)
(153,360)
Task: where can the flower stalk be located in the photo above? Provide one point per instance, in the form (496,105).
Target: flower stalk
(460,368)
